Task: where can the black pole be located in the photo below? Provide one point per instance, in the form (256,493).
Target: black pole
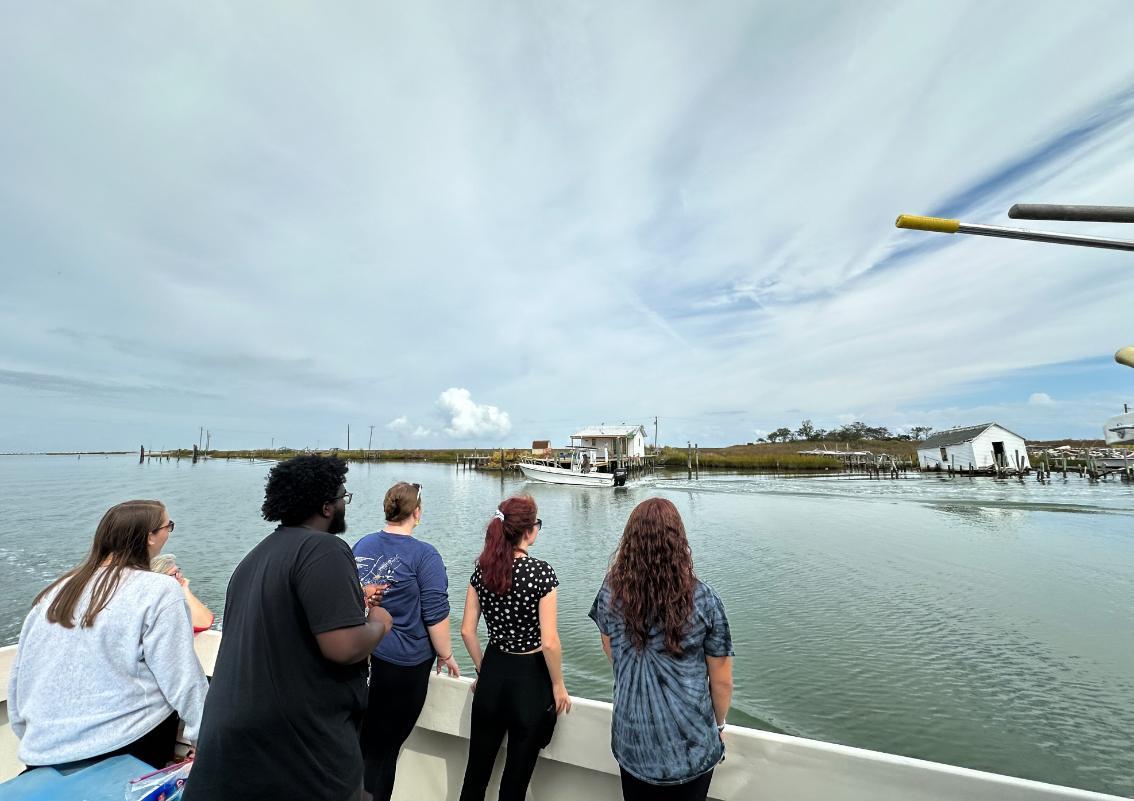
(1046,211)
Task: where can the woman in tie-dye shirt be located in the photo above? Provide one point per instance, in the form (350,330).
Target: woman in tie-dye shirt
(666,634)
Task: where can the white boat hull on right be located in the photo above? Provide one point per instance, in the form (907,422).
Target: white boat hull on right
(1119,430)
(561,475)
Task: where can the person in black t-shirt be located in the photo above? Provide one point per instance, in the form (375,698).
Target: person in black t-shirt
(290,683)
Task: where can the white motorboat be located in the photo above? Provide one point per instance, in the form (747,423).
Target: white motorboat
(1119,430)
(577,466)
(562,475)
(577,765)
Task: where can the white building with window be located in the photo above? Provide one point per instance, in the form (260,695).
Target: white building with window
(618,441)
(978,447)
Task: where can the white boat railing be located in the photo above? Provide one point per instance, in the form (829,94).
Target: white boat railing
(578,766)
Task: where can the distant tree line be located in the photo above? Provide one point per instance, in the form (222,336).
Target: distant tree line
(851,432)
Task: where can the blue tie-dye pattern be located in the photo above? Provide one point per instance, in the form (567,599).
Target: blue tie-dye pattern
(664,730)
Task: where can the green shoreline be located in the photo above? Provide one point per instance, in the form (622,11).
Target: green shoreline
(780,456)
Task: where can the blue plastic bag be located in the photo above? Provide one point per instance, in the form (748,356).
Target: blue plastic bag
(166,784)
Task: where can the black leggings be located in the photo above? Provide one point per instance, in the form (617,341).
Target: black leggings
(397,694)
(513,697)
(638,790)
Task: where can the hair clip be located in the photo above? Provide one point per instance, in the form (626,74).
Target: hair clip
(499,515)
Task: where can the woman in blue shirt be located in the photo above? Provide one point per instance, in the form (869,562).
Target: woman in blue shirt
(666,634)
(416,594)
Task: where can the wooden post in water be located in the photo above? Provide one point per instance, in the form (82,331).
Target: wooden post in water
(141,454)
(697,458)
(689,461)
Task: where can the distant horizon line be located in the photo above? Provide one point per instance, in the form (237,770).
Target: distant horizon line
(1038,442)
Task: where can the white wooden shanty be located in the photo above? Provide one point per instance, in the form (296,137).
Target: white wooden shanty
(619,441)
(978,447)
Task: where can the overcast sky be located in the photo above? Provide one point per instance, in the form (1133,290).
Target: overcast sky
(486,223)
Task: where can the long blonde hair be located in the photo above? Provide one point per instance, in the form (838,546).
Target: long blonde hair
(121,541)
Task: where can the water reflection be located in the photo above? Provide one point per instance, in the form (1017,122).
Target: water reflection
(980,623)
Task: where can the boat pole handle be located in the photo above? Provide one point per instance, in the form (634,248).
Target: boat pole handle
(938,224)
(1045,211)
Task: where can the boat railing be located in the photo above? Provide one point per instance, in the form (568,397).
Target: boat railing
(577,764)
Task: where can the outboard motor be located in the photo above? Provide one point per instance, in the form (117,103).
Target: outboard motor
(620,476)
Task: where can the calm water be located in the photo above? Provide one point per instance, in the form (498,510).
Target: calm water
(979,623)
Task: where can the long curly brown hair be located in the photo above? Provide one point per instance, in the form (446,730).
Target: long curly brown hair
(651,576)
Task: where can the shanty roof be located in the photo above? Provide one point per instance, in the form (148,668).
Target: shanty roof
(609,431)
(955,436)
(541,443)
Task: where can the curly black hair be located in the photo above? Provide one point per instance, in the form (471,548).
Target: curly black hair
(298,488)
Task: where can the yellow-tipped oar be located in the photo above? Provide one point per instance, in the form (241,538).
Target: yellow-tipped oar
(944,226)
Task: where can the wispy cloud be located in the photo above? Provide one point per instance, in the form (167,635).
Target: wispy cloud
(291,221)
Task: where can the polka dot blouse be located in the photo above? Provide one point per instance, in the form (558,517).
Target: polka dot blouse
(513,618)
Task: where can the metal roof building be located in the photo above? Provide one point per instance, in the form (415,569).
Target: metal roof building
(973,447)
(621,440)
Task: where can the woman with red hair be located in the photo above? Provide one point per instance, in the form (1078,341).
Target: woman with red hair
(519,687)
(666,634)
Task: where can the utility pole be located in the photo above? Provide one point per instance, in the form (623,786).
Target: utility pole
(201,437)
(348,436)
(655,433)
(370,441)
(208,441)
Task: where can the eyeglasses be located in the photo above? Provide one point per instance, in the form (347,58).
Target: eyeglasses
(168,525)
(538,524)
(418,488)
(345,497)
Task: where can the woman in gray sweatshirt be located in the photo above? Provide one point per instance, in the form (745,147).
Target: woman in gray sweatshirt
(105,662)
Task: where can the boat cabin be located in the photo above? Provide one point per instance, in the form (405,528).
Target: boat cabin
(622,442)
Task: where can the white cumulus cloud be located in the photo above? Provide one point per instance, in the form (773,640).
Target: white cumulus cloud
(402,426)
(468,419)
(1040,399)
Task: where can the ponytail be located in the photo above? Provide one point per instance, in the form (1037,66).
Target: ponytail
(506,529)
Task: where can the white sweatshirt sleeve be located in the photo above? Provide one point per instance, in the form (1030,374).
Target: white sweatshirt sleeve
(17,721)
(168,648)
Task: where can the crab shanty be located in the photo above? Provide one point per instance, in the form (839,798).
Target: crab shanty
(981,447)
